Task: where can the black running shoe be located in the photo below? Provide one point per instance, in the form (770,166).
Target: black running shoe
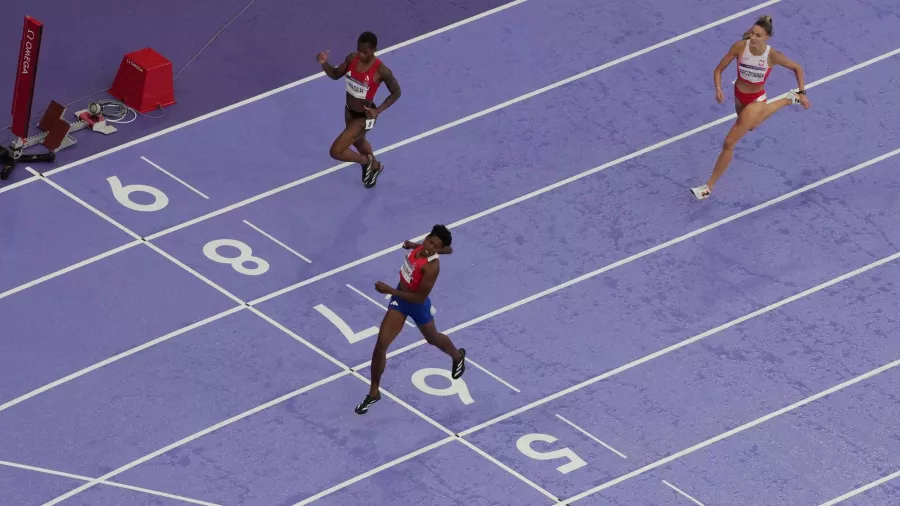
(459,367)
(373,176)
(363,406)
(367,168)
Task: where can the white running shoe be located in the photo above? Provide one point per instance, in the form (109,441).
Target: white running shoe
(794,97)
(701,192)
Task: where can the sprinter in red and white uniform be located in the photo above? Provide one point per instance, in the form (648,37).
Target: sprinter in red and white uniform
(364,74)
(410,299)
(755,60)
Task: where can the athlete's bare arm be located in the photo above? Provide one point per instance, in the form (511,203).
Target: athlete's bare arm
(430,271)
(335,72)
(778,58)
(387,77)
(733,52)
(413,245)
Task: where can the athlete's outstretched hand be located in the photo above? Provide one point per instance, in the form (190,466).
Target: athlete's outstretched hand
(322,57)
(720,97)
(805,101)
(382,287)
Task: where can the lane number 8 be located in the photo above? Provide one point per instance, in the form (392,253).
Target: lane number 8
(245,256)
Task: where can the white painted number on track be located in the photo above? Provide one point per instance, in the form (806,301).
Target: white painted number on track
(123,195)
(524,446)
(245,256)
(337,321)
(457,387)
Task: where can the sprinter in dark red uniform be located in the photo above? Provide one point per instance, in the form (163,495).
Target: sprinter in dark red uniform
(410,299)
(364,74)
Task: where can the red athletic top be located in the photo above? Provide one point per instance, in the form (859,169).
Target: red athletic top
(411,271)
(362,85)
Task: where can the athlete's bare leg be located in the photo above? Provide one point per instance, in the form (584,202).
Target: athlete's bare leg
(391,326)
(770,109)
(442,342)
(340,148)
(363,147)
(750,117)
(438,340)
(354,134)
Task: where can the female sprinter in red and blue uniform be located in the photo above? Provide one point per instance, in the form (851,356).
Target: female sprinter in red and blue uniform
(418,274)
(364,73)
(755,61)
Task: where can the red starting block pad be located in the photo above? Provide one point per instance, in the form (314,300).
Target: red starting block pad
(144,81)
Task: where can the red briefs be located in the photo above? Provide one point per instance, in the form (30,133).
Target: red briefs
(749,98)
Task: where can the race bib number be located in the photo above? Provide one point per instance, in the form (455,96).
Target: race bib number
(357,89)
(370,122)
(406,270)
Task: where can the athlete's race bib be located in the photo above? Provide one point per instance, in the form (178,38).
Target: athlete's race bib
(752,74)
(357,89)
(406,270)
(370,122)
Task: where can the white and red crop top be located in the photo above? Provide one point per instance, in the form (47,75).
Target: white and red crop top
(411,270)
(753,69)
(362,85)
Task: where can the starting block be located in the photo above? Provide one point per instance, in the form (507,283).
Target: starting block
(56,131)
(55,135)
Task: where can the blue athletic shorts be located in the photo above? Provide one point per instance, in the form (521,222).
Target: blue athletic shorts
(420,313)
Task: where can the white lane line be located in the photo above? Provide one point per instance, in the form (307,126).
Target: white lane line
(271,403)
(498,378)
(646,252)
(657,354)
(471,446)
(275,91)
(193,437)
(555,185)
(468,359)
(276,241)
(70,268)
(463,120)
(375,302)
(376,470)
(449,27)
(541,190)
(676,346)
(591,436)
(299,339)
(108,483)
(120,356)
(534,297)
(396,399)
(86,205)
(164,171)
(19,183)
(737,430)
(862,489)
(673,487)
(196,274)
